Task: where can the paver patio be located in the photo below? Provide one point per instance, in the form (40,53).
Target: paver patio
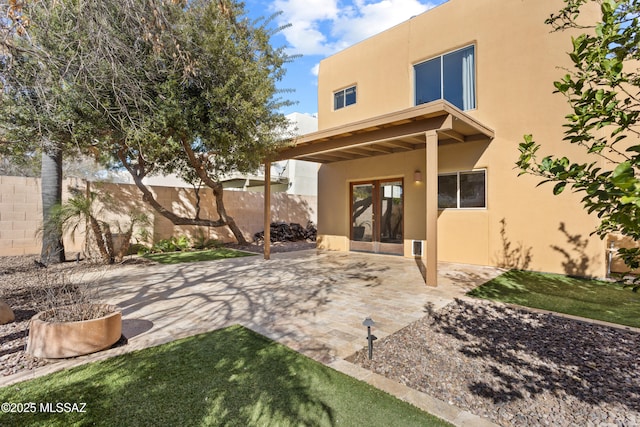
(314,302)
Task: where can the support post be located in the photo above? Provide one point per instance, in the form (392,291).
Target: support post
(267,210)
(431,186)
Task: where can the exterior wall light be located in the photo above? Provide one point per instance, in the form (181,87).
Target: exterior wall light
(370,338)
(417,176)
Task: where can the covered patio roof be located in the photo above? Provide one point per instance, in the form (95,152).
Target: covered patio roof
(425,126)
(390,133)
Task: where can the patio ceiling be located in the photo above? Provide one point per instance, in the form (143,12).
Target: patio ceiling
(390,133)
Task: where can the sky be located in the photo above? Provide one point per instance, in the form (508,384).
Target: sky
(320,28)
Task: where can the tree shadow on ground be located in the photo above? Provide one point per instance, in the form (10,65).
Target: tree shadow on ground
(547,353)
(261,297)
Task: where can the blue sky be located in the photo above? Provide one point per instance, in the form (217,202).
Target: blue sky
(320,28)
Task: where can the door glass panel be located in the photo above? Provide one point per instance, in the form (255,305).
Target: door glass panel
(362,216)
(391,212)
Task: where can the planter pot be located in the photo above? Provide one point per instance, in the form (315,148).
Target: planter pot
(55,340)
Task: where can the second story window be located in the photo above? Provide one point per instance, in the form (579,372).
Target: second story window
(344,97)
(450,76)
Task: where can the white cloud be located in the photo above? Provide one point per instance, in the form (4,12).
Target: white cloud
(316,69)
(305,17)
(321,27)
(373,18)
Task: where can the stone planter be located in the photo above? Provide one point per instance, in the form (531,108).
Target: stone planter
(55,340)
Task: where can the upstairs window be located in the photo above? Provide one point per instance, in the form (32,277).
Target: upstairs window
(344,98)
(451,76)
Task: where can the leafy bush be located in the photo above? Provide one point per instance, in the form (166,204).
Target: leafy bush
(139,249)
(201,243)
(172,244)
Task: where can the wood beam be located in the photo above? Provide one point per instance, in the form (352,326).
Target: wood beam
(431,181)
(325,157)
(401,144)
(361,151)
(450,133)
(362,139)
(267,210)
(380,149)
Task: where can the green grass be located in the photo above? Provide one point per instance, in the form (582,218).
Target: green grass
(592,299)
(193,256)
(230,377)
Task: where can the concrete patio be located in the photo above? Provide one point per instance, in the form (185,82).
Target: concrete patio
(312,301)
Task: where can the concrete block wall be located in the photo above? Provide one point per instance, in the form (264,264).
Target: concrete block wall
(21,212)
(20,215)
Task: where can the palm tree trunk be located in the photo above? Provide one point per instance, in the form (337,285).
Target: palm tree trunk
(51,187)
(100,241)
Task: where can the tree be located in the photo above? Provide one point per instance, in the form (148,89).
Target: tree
(603,90)
(183,87)
(211,87)
(39,111)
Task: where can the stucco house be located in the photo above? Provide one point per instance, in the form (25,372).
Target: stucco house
(418,133)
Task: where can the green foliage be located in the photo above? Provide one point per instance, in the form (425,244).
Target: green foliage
(201,241)
(40,107)
(138,249)
(592,299)
(195,256)
(603,90)
(163,87)
(171,244)
(184,243)
(82,211)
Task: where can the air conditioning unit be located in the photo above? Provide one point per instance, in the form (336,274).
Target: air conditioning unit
(417,247)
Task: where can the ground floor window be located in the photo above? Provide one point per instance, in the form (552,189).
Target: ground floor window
(462,190)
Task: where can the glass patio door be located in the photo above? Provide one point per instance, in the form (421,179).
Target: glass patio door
(377,216)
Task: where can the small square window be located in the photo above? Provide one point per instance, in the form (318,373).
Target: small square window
(344,98)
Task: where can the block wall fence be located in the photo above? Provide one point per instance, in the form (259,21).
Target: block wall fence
(21,211)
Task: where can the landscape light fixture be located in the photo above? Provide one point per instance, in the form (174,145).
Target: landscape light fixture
(370,338)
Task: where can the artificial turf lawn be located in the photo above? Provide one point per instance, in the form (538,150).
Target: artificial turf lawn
(208,255)
(230,377)
(593,299)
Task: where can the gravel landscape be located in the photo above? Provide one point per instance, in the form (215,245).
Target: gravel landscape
(516,367)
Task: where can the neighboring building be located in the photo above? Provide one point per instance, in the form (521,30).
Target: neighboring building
(418,137)
(288,176)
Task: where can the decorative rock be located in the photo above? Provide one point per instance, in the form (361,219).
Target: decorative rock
(6,314)
(516,367)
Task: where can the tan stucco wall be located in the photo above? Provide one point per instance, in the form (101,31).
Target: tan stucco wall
(21,212)
(517,60)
